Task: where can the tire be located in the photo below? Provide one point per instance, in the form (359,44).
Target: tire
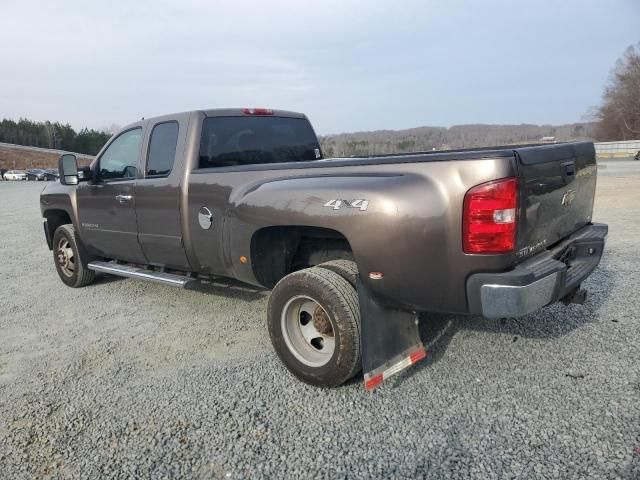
(71,258)
(338,319)
(347,269)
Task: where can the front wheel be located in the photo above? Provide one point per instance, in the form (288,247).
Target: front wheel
(314,325)
(71,258)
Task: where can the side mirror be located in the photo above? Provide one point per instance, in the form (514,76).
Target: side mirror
(68,168)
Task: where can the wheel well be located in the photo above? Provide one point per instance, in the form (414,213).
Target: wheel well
(278,251)
(55,218)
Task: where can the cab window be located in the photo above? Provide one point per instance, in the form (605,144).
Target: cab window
(120,159)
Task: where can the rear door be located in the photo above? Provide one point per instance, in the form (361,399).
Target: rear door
(557,188)
(158,192)
(106,206)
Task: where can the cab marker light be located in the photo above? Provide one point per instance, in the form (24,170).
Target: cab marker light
(257,111)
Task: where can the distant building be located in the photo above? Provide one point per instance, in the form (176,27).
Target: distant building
(548,140)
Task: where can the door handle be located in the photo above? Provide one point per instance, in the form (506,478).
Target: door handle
(124,198)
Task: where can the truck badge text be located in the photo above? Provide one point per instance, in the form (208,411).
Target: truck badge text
(337,204)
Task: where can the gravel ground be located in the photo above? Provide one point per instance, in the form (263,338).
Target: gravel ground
(132,379)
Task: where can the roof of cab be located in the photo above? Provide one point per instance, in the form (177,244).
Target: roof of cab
(212,112)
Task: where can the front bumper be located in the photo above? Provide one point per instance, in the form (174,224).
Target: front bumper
(543,279)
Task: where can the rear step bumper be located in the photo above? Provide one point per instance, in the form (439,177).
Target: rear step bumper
(550,276)
(141,273)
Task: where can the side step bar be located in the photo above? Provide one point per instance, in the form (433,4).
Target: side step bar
(135,272)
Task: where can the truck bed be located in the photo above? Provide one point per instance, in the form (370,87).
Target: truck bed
(552,152)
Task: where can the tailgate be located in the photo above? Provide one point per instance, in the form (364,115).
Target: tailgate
(557,189)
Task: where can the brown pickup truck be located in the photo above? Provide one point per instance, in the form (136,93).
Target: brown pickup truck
(352,248)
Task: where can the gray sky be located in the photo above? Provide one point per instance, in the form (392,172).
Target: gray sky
(349,65)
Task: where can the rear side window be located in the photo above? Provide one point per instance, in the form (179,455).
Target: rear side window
(232,141)
(162,149)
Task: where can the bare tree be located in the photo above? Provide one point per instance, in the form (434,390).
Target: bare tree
(619,115)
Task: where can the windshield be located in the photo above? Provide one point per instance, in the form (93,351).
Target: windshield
(231,141)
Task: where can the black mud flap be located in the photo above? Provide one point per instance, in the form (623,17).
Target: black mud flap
(389,339)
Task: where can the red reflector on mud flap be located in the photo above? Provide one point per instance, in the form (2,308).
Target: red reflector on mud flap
(372,381)
(418,355)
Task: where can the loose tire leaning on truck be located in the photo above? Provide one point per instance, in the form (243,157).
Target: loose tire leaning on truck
(71,258)
(314,324)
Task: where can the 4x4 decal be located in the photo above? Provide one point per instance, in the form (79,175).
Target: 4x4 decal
(337,204)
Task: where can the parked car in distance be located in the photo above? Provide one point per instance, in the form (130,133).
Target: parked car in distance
(36,174)
(15,175)
(51,174)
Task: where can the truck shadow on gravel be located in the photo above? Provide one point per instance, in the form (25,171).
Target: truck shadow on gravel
(102,279)
(230,288)
(225,287)
(438,330)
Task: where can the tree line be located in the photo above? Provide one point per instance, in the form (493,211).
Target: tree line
(441,138)
(52,135)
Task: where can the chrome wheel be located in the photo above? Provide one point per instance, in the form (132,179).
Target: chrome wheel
(308,331)
(65,257)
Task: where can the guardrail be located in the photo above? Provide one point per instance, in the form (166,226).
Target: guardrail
(44,150)
(624,149)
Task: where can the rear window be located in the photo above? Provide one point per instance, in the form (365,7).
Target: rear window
(231,141)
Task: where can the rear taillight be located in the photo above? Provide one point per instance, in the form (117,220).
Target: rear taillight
(489,217)
(257,111)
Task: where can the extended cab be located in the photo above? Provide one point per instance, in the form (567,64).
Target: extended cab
(352,248)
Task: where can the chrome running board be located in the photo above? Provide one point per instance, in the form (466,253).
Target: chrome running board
(143,274)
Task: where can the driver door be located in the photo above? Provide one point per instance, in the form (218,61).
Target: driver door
(106,205)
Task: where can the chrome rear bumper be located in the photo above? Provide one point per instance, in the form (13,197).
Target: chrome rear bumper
(543,279)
